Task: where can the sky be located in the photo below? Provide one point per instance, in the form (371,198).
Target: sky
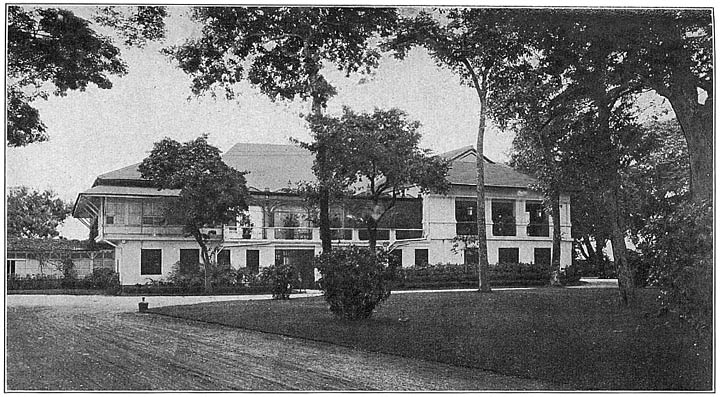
(97,131)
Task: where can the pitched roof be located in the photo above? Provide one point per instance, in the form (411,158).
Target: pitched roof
(464,172)
(277,167)
(271,167)
(52,244)
(109,190)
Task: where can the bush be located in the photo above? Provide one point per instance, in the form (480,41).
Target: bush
(680,248)
(190,277)
(466,276)
(69,274)
(280,279)
(105,279)
(355,280)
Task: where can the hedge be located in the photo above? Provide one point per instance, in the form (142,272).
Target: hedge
(466,276)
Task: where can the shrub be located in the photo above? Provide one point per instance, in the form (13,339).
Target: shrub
(190,277)
(105,279)
(280,279)
(680,248)
(355,280)
(69,274)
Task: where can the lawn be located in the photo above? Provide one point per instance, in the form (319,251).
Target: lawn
(578,338)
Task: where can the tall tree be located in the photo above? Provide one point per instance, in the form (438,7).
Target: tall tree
(479,46)
(282,51)
(211,192)
(34,214)
(669,51)
(380,150)
(53,51)
(538,110)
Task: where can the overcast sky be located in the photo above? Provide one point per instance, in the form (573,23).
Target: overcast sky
(97,131)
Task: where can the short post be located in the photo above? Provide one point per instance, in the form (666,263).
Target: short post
(142,306)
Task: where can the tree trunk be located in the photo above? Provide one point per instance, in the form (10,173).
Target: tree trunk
(483,266)
(556,253)
(611,200)
(696,122)
(625,272)
(372,234)
(205,258)
(600,257)
(324,192)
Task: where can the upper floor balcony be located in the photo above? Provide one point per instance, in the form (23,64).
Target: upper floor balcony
(349,235)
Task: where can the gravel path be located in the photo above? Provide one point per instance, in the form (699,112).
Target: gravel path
(68,342)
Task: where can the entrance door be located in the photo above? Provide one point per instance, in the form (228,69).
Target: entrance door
(301,261)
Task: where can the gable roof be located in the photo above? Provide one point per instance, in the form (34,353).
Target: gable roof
(463,172)
(276,167)
(52,244)
(271,167)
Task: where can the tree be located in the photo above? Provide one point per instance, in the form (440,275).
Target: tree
(211,192)
(537,109)
(669,51)
(51,47)
(34,214)
(281,51)
(380,150)
(479,45)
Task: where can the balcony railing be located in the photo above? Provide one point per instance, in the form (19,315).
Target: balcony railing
(313,234)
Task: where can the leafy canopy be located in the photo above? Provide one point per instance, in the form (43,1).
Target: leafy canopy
(381,150)
(211,192)
(281,50)
(52,51)
(34,214)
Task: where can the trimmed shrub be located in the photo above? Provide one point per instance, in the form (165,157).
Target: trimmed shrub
(355,280)
(280,279)
(466,276)
(69,274)
(105,279)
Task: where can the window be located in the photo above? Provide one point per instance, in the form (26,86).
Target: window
(150,262)
(421,257)
(471,256)
(466,217)
(114,213)
(153,213)
(10,267)
(539,225)
(542,256)
(223,259)
(503,216)
(252,260)
(508,255)
(134,213)
(395,257)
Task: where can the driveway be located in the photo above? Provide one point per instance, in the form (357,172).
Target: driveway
(66,342)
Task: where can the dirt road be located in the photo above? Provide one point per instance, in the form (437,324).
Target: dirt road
(101,343)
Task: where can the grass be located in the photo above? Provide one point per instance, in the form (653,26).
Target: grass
(577,338)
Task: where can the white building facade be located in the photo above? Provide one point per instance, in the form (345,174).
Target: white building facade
(428,229)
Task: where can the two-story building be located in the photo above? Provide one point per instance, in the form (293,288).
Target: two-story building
(148,240)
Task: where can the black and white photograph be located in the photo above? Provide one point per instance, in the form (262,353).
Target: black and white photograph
(361,197)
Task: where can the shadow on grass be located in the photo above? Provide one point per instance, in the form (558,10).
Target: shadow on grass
(578,337)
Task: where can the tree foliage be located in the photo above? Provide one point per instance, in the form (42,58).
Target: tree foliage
(282,51)
(211,192)
(379,150)
(34,214)
(480,45)
(668,51)
(53,51)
